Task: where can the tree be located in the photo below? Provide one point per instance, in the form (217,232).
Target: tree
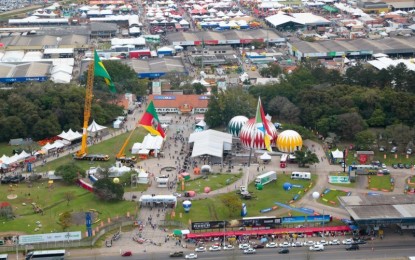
(199,88)
(70,172)
(125,179)
(365,139)
(65,220)
(377,119)
(349,124)
(233,203)
(105,189)
(304,158)
(400,134)
(284,110)
(69,196)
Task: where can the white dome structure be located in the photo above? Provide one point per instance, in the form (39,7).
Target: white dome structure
(235,125)
(289,141)
(250,129)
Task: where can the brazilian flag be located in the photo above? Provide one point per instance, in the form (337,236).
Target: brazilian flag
(100,71)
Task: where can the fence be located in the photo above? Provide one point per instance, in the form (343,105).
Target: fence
(86,242)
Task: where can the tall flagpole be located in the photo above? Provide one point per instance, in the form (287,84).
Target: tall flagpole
(251,147)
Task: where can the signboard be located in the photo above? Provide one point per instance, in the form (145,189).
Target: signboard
(207,42)
(303,219)
(204,98)
(233,41)
(164,97)
(250,222)
(47,238)
(353,53)
(88,222)
(23,79)
(184,43)
(222,42)
(339,179)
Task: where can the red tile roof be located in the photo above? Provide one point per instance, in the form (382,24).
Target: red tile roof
(178,101)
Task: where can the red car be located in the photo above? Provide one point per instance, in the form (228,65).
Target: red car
(127,253)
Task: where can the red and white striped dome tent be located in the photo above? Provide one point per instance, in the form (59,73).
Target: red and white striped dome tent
(250,129)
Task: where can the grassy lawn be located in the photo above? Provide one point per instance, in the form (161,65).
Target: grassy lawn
(214,209)
(380,182)
(214,181)
(110,147)
(330,197)
(53,202)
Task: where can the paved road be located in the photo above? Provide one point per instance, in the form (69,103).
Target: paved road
(381,250)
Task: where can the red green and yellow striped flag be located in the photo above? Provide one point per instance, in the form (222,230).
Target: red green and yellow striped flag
(100,71)
(150,121)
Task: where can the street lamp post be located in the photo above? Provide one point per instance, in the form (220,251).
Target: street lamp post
(224,234)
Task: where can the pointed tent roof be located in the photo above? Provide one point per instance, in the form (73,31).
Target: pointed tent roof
(202,123)
(94,127)
(337,154)
(265,156)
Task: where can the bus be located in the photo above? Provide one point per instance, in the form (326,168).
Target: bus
(46,255)
(283,160)
(4,256)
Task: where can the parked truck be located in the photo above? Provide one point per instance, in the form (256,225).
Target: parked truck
(266,178)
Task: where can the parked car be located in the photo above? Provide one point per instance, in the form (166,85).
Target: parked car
(17,179)
(6,179)
(401,166)
(258,246)
(283,251)
(384,171)
(249,251)
(285,244)
(127,253)
(409,151)
(244,246)
(395,166)
(297,244)
(271,245)
(191,256)
(323,242)
(228,247)
(352,247)
(394,149)
(359,241)
(200,249)
(309,243)
(407,166)
(316,248)
(177,254)
(381,149)
(214,248)
(334,242)
(348,241)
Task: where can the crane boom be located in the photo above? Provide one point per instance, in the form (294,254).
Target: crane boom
(121,155)
(87,109)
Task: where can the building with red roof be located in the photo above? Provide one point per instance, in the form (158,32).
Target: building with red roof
(180,104)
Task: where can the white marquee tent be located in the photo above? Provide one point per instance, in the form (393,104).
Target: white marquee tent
(210,142)
(70,135)
(94,127)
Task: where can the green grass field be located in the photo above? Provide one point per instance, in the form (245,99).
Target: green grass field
(330,197)
(110,147)
(54,203)
(214,181)
(380,182)
(214,209)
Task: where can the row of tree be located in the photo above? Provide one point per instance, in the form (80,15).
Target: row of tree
(322,99)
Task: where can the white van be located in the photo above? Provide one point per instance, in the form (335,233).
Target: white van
(301,175)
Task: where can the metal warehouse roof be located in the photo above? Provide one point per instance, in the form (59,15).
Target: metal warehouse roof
(380,209)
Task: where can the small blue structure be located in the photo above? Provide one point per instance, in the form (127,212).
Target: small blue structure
(287,186)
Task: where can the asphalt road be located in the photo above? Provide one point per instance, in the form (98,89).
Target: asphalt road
(382,250)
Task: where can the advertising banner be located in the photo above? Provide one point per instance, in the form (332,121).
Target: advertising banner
(164,97)
(339,179)
(250,222)
(51,237)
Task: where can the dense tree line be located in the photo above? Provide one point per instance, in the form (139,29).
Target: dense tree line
(324,100)
(40,110)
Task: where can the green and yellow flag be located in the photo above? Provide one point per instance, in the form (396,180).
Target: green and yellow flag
(100,71)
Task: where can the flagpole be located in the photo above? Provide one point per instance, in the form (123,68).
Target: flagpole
(251,147)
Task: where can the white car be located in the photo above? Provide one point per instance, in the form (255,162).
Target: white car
(244,246)
(317,248)
(200,249)
(191,256)
(323,242)
(348,241)
(214,248)
(271,245)
(334,242)
(228,247)
(297,244)
(285,244)
(249,251)
(176,194)
(309,243)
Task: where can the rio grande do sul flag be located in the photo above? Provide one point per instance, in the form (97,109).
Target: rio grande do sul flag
(261,124)
(150,121)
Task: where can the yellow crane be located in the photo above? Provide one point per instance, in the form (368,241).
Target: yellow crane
(82,154)
(121,155)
